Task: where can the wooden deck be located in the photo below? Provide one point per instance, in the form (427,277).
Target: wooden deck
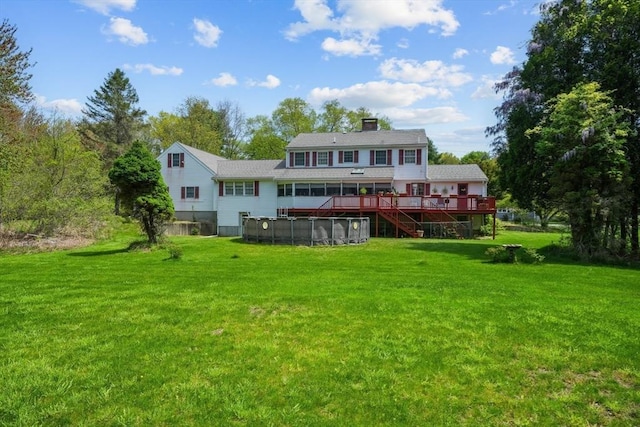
(406,213)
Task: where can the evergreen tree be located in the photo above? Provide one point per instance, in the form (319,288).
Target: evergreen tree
(142,191)
(111,117)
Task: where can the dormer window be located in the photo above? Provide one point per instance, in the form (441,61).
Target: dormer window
(410,157)
(323,158)
(298,159)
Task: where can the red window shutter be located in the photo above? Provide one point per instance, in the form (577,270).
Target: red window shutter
(355,156)
(290,160)
(183,192)
(340,156)
(419,156)
(256,188)
(427,189)
(330,158)
(169,160)
(372,157)
(197,192)
(409,189)
(401,157)
(315,158)
(306,158)
(181,160)
(388,157)
(220,188)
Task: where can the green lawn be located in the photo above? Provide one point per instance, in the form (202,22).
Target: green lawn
(399,332)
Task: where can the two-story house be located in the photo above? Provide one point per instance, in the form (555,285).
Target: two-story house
(382,174)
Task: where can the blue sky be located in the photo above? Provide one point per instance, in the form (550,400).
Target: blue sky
(423,63)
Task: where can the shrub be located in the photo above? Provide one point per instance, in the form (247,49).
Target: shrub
(531,256)
(497,254)
(175,252)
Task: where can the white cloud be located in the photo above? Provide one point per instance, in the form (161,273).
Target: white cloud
(350,47)
(363,20)
(502,55)
(485,90)
(377,94)
(104,6)
(225,79)
(459,53)
(65,106)
(403,43)
(206,34)
(432,72)
(502,8)
(404,117)
(271,82)
(154,70)
(126,32)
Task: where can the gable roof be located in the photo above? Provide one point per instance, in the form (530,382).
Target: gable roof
(455,173)
(378,138)
(207,159)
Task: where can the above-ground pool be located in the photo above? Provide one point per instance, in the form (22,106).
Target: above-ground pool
(306,231)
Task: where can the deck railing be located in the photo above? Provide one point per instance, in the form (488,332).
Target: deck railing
(404,202)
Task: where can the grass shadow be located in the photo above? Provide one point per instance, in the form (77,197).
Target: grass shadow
(98,253)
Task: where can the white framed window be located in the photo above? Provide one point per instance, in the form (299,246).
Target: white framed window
(347,156)
(409,157)
(323,158)
(175,160)
(239,188)
(298,159)
(381,157)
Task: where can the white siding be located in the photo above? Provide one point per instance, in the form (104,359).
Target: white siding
(229,207)
(193,174)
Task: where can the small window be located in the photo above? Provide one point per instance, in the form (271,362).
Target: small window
(323,158)
(298,159)
(190,193)
(347,157)
(175,160)
(409,156)
(381,157)
(228,188)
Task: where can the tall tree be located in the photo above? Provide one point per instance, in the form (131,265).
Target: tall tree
(143,193)
(448,159)
(584,136)
(233,129)
(111,116)
(292,117)
(14,90)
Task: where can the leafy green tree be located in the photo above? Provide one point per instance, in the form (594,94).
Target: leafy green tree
(14,90)
(143,193)
(264,142)
(584,136)
(448,159)
(432,152)
(489,166)
(59,187)
(293,117)
(111,117)
(333,117)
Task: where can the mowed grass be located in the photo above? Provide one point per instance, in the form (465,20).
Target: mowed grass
(395,332)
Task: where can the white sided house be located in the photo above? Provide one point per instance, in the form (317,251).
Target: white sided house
(380,174)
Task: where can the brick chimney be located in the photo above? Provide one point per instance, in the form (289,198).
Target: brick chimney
(369,124)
